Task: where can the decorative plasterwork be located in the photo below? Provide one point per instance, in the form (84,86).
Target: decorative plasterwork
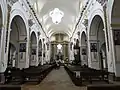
(11,2)
(102,2)
(30,22)
(56,15)
(85,22)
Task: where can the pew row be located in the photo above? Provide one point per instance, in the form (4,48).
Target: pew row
(10,87)
(103,87)
(37,74)
(85,74)
(32,74)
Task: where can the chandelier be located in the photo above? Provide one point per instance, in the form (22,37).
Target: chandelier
(56,15)
(59,46)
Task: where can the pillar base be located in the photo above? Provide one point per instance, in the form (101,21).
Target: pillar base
(2,78)
(111,76)
(117,78)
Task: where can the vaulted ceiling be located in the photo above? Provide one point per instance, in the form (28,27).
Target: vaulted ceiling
(70,8)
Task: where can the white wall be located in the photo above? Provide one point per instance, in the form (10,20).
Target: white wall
(3,5)
(94,8)
(19,8)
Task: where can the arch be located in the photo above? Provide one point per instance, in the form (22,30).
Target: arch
(21,25)
(44,47)
(40,44)
(18,12)
(40,52)
(97,12)
(33,49)
(83,38)
(83,49)
(58,33)
(18,38)
(96,27)
(33,38)
(96,39)
(51,32)
(44,53)
(76,43)
(115,14)
(115,24)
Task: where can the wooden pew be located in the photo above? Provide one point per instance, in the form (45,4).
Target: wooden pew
(10,87)
(99,75)
(17,76)
(72,75)
(103,87)
(14,75)
(32,74)
(36,74)
(81,74)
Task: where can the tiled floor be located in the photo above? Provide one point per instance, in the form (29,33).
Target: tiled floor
(56,80)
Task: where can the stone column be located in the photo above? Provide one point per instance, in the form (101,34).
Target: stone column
(37,51)
(33,54)
(64,50)
(2,63)
(42,55)
(55,49)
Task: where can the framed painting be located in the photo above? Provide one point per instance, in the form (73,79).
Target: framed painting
(93,47)
(22,47)
(116,37)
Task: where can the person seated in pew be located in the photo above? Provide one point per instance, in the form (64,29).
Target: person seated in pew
(85,66)
(7,74)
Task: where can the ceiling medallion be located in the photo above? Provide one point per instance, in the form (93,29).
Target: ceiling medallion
(56,15)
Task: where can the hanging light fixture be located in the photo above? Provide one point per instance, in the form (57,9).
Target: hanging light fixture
(59,46)
(56,15)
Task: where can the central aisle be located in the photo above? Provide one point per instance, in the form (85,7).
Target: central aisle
(56,80)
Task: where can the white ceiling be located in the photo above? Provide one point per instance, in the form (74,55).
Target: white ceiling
(71,12)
